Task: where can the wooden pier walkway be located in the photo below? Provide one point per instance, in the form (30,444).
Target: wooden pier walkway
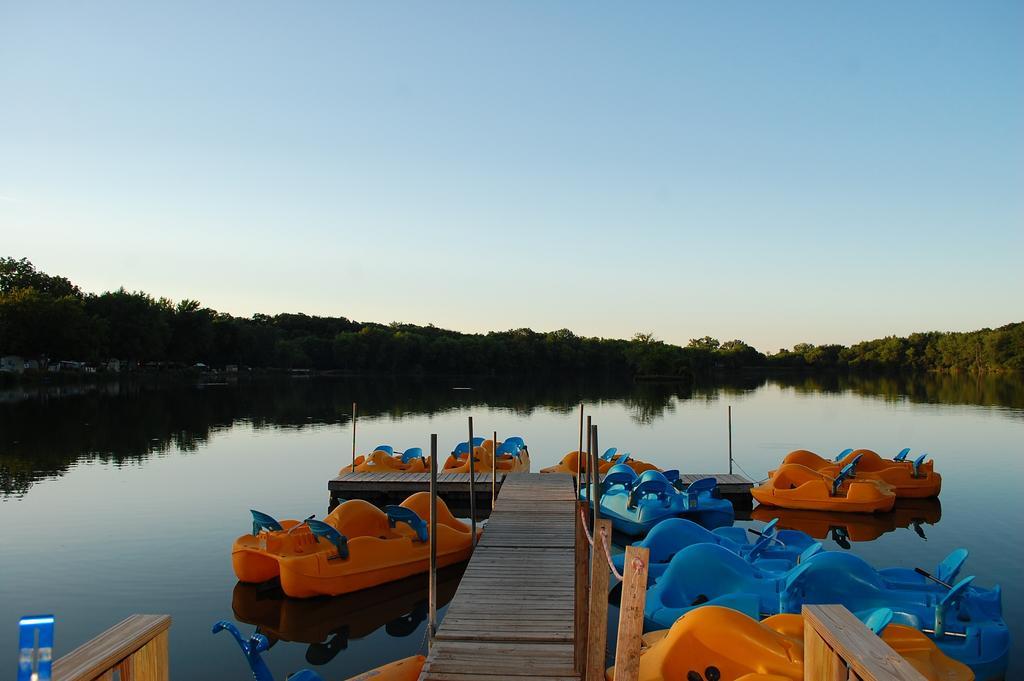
(512,616)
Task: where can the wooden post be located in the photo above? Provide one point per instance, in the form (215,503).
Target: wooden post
(588,474)
(582,586)
(631,613)
(597,475)
(432,589)
(494,469)
(597,626)
(353,437)
(579,453)
(730,439)
(472,483)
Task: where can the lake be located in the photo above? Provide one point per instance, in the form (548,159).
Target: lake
(125,497)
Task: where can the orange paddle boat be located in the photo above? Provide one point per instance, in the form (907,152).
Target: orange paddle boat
(355,547)
(740,648)
(915,479)
(604,462)
(384,459)
(512,457)
(796,486)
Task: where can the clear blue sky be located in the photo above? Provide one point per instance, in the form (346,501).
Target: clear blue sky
(776,172)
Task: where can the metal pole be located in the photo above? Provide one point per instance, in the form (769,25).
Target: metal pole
(472,483)
(432,598)
(597,475)
(494,469)
(588,459)
(730,439)
(354,437)
(579,453)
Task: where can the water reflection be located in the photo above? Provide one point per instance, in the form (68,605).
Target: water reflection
(844,528)
(328,624)
(45,430)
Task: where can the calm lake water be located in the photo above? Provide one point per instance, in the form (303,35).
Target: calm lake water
(125,498)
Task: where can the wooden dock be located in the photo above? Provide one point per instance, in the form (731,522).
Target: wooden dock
(387,488)
(393,488)
(513,614)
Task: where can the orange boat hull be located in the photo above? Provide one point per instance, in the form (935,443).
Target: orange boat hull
(796,486)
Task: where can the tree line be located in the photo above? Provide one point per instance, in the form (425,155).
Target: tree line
(43,315)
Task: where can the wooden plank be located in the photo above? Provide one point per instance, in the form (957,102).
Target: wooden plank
(115,645)
(833,636)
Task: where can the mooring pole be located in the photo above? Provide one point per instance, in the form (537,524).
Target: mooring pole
(730,439)
(432,598)
(353,437)
(579,453)
(494,469)
(472,483)
(597,475)
(588,459)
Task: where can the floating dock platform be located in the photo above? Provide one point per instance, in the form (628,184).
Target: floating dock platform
(394,488)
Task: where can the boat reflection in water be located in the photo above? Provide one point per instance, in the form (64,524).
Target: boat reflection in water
(327,624)
(844,528)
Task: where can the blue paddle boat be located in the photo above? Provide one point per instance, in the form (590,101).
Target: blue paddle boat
(770,550)
(636,503)
(964,621)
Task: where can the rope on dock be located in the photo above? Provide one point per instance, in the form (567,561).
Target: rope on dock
(637,564)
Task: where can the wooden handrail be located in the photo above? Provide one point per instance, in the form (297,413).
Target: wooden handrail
(837,647)
(136,648)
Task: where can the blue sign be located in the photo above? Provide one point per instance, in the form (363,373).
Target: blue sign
(35,659)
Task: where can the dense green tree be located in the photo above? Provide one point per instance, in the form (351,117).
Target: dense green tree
(44,315)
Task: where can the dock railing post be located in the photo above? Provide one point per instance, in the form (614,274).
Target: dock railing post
(353,437)
(631,614)
(432,597)
(597,474)
(730,438)
(582,585)
(472,483)
(597,616)
(579,453)
(837,645)
(494,470)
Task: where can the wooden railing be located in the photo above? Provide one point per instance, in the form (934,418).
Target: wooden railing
(838,647)
(134,650)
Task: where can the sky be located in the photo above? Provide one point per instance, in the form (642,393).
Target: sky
(775,172)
